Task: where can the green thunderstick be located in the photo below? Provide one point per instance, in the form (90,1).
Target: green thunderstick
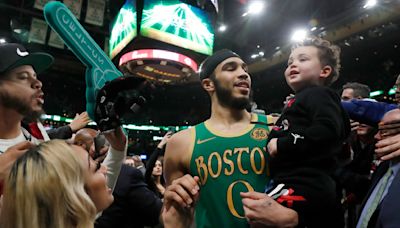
(99,69)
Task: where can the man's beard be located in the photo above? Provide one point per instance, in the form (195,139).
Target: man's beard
(21,106)
(226,99)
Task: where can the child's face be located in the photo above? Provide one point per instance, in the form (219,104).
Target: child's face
(304,68)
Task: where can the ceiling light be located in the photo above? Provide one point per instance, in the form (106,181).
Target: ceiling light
(2,41)
(369,4)
(313,29)
(278,53)
(254,56)
(256,7)
(261,53)
(222,28)
(299,35)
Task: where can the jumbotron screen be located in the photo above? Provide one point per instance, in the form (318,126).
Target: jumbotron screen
(124,28)
(179,24)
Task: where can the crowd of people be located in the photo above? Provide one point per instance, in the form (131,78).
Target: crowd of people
(326,161)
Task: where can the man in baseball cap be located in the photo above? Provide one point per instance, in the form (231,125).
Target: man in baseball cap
(13,55)
(21,96)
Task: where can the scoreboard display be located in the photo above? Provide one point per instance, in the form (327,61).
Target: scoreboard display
(178,24)
(124,28)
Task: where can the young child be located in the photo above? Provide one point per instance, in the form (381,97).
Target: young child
(309,134)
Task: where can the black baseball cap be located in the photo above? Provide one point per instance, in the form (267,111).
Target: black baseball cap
(13,55)
(208,66)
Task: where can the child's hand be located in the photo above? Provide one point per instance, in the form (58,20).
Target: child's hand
(272,147)
(288,98)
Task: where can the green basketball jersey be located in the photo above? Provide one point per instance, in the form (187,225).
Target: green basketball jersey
(228,165)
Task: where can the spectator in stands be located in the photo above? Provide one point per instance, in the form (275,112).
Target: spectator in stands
(139,164)
(135,205)
(129,161)
(111,156)
(87,138)
(154,172)
(383,203)
(54,185)
(354,173)
(355,90)
(21,96)
(65,132)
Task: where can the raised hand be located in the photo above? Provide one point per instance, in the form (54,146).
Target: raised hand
(388,147)
(80,121)
(116,138)
(165,139)
(390,128)
(8,158)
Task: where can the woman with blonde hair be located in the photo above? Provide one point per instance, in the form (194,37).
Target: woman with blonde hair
(54,185)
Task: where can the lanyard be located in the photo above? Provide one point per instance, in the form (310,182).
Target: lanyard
(26,134)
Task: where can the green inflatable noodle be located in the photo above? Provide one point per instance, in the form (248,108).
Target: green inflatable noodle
(99,69)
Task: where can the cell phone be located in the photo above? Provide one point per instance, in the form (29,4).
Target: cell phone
(99,142)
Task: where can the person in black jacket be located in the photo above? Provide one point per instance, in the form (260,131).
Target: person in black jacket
(135,205)
(356,159)
(380,207)
(154,167)
(309,134)
(65,132)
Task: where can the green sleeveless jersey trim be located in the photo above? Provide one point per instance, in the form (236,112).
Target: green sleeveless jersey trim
(228,164)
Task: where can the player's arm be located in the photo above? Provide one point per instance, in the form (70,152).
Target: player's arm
(176,163)
(181,188)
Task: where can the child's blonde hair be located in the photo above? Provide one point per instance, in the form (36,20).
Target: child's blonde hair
(329,55)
